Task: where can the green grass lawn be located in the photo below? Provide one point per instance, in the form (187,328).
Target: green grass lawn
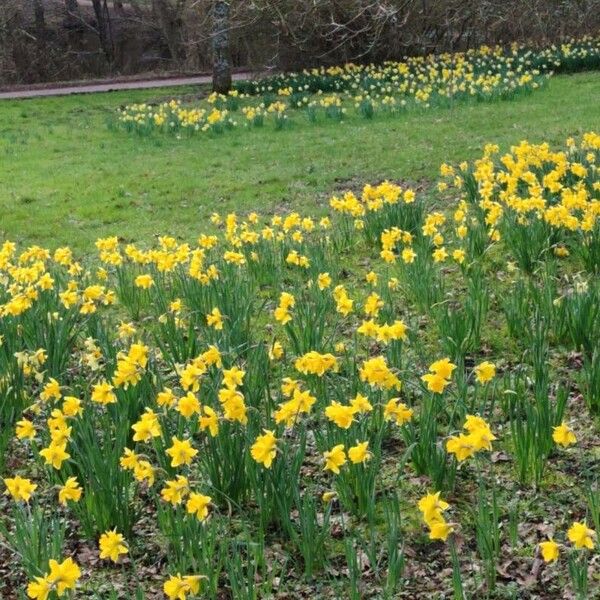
(67,178)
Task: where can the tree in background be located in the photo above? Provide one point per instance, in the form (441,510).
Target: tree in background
(103,26)
(220,47)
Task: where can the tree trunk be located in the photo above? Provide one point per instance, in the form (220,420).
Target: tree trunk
(72,9)
(13,27)
(40,19)
(170,24)
(73,24)
(41,33)
(220,47)
(103,26)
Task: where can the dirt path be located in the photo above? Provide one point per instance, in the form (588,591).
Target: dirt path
(114,86)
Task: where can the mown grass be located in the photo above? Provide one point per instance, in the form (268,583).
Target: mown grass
(68,178)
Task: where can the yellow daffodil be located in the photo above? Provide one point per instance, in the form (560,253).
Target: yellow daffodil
(563,435)
(334,459)
(112,545)
(550,550)
(581,536)
(264,448)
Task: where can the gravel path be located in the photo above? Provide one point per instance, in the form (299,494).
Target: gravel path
(114,86)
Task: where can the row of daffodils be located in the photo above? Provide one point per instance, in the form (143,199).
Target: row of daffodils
(300,402)
(366,91)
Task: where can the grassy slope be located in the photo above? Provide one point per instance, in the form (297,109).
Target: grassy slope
(65,177)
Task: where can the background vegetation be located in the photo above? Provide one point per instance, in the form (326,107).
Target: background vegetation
(44,40)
